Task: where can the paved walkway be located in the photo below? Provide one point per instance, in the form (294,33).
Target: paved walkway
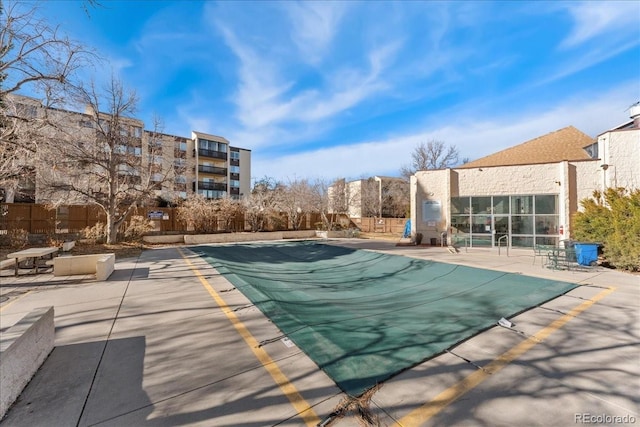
(167,341)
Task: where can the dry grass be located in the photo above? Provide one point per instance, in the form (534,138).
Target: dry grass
(381,236)
(359,408)
(122,250)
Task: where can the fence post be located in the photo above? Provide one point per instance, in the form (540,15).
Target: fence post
(30,218)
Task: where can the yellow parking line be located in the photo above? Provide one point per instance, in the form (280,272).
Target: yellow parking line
(301,406)
(425,412)
(11,302)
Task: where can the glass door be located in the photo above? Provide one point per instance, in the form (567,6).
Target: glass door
(501,228)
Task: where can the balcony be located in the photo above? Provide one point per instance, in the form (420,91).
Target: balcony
(210,153)
(212,169)
(220,186)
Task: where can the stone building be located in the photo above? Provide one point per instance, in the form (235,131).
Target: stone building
(527,194)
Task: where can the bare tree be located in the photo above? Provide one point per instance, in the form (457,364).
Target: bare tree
(100,159)
(395,198)
(198,214)
(227,210)
(294,200)
(208,216)
(39,57)
(260,205)
(319,200)
(432,155)
(330,201)
(370,198)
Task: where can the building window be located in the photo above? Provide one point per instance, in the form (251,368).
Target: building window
(480,205)
(235,155)
(104,126)
(546,204)
(212,194)
(234,183)
(234,169)
(592,150)
(522,204)
(206,144)
(156,160)
(527,219)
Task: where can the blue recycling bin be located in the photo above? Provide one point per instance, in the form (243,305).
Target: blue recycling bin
(586,253)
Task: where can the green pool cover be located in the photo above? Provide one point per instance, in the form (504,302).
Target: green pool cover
(364,316)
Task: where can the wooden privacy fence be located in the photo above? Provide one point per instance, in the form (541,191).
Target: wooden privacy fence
(381,225)
(38,219)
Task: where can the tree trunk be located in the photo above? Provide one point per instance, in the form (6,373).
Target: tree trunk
(113,225)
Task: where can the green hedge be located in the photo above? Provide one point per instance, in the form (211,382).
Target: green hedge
(612,218)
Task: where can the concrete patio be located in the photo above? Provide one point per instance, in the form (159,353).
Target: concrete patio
(167,341)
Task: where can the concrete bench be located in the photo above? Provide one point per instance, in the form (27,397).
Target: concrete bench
(23,349)
(102,265)
(67,246)
(6,263)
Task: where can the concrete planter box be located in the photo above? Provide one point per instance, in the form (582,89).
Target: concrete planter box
(102,265)
(247,237)
(196,239)
(23,349)
(168,239)
(323,234)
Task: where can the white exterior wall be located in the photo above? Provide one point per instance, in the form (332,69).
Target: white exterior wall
(620,151)
(433,186)
(588,179)
(245,171)
(354,199)
(506,180)
(570,181)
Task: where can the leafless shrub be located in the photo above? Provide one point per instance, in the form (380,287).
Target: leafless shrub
(16,238)
(97,233)
(138,227)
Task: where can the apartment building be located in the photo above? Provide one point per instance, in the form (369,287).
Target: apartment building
(202,163)
(220,169)
(377,196)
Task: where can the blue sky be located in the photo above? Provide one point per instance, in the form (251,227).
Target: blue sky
(348,89)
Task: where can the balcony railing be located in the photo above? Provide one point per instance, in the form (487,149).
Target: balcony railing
(211,153)
(220,186)
(212,169)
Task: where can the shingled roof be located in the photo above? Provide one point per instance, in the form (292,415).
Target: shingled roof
(564,144)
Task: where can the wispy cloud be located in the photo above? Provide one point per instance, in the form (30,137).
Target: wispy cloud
(473,134)
(265,97)
(348,88)
(596,18)
(314,26)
